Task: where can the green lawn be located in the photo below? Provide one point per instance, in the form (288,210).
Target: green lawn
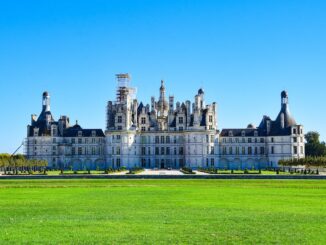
(162,211)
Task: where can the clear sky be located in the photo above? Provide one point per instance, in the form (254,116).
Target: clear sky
(243,53)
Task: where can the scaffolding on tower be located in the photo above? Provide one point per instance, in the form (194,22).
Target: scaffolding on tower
(124,91)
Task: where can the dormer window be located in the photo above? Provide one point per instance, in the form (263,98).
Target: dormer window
(230,134)
(243,133)
(256,134)
(93,133)
(80,133)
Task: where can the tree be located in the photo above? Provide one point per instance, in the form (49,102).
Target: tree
(313,146)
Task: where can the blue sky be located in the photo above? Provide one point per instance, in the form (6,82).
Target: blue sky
(243,53)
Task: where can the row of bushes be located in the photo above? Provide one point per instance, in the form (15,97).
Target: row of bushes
(307,161)
(19,164)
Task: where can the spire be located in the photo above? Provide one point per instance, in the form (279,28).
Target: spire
(46,102)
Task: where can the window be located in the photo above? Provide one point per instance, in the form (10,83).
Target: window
(79,140)
(180,128)
(167,150)
(181,120)
(157,139)
(118,162)
(212,162)
(295,149)
(301,150)
(237,150)
(243,140)
(181,151)
(157,151)
(168,139)
(119,127)
(262,140)
(73,141)
(272,150)
(295,140)
(119,119)
(118,150)
(162,151)
(80,151)
(54,140)
(93,133)
(294,131)
(249,140)
(212,150)
(224,140)
(143,129)
(80,133)
(143,120)
(224,150)
(243,150)
(243,133)
(210,119)
(236,140)
(262,150)
(272,139)
(256,134)
(230,151)
(143,151)
(73,151)
(230,133)
(249,151)
(86,140)
(256,150)
(162,139)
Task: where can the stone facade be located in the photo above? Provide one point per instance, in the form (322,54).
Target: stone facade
(163,134)
(62,145)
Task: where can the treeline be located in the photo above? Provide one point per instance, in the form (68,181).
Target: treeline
(307,162)
(18,163)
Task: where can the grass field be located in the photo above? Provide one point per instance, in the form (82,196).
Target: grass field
(162,211)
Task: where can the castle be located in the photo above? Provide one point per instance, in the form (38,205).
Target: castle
(163,134)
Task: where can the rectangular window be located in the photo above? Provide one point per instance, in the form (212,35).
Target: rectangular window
(243,151)
(295,139)
(119,119)
(249,140)
(272,149)
(212,162)
(167,150)
(162,151)
(262,150)
(181,120)
(295,149)
(230,151)
(210,118)
(143,120)
(162,139)
(157,151)
(80,151)
(157,139)
(249,151)
(168,139)
(181,151)
(143,129)
(143,151)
